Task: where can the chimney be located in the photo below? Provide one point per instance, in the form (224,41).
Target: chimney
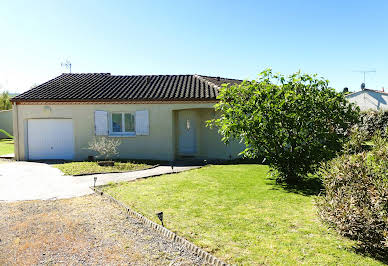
(382,89)
(218,78)
(346,90)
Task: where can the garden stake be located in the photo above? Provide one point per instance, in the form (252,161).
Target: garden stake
(160,216)
(172,166)
(95,179)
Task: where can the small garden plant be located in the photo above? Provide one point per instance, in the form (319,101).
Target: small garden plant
(105,147)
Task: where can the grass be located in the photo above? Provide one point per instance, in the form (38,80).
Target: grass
(6,146)
(83,168)
(238,214)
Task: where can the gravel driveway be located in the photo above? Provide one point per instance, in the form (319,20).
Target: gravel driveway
(85,230)
(33,181)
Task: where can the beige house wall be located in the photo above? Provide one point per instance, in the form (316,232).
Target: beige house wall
(160,144)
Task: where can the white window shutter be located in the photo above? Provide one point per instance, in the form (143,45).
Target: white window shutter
(101,123)
(142,123)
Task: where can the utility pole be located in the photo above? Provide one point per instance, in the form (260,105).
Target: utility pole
(66,64)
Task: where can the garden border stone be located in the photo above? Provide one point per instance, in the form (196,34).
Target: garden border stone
(164,232)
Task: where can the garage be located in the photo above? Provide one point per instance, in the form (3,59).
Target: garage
(50,139)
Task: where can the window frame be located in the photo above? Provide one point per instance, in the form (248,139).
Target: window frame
(122,133)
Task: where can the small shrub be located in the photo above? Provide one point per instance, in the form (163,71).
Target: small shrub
(356,197)
(373,121)
(356,142)
(105,147)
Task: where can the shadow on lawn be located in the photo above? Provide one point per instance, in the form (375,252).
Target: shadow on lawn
(310,186)
(380,255)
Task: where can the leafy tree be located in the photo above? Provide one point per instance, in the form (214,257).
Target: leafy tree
(294,122)
(5,103)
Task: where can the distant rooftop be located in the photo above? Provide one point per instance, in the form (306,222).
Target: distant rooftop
(377,91)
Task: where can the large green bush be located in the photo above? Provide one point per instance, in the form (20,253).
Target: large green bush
(356,196)
(293,122)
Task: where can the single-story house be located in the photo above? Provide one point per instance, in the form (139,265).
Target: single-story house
(160,117)
(368,99)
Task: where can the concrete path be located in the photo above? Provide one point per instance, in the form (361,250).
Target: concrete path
(7,156)
(39,181)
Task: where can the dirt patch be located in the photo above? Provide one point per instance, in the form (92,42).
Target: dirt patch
(84,230)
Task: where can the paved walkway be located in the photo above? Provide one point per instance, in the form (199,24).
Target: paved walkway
(7,156)
(39,181)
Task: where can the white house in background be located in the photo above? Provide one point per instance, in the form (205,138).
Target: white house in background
(369,99)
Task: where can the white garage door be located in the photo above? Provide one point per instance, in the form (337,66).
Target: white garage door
(50,139)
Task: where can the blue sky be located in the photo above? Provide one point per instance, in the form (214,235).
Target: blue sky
(234,39)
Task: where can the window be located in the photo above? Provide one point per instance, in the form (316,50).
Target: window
(122,124)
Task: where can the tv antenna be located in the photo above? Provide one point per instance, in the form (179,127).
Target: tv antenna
(66,64)
(364,72)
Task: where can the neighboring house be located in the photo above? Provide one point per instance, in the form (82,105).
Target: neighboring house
(369,99)
(156,117)
(6,123)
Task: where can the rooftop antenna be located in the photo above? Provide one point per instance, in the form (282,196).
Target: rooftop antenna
(364,72)
(67,64)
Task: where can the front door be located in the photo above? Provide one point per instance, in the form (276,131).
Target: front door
(187,145)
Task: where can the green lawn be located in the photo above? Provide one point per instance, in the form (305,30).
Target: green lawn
(238,214)
(6,146)
(80,168)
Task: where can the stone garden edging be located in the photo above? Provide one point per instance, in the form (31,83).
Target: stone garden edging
(207,257)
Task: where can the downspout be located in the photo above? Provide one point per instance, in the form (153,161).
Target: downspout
(16,130)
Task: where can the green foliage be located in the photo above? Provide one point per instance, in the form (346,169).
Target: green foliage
(6,133)
(294,122)
(356,142)
(356,197)
(373,121)
(5,103)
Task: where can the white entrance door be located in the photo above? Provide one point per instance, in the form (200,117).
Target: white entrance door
(50,139)
(187,144)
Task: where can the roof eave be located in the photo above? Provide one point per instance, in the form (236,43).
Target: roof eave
(18,101)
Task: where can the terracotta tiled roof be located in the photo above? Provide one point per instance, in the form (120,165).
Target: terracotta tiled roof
(106,87)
